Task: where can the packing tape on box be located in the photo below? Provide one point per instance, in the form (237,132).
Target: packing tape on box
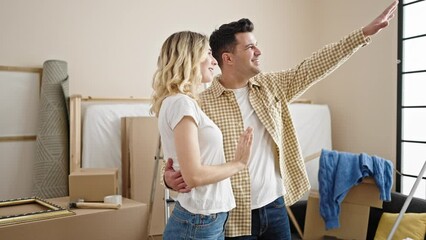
(113,199)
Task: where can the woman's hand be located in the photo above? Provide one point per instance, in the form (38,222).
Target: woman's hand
(243,151)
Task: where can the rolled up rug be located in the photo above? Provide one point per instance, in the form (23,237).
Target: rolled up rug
(51,158)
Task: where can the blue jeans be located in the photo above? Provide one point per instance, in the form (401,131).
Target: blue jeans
(183,224)
(269,222)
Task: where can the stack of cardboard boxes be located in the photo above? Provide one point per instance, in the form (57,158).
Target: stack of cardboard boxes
(354,213)
(91,185)
(128,222)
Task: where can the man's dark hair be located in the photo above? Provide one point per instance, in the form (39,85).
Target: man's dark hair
(223,39)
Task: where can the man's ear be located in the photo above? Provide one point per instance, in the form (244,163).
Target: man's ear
(227,58)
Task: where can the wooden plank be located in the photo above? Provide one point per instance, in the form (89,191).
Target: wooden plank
(125,159)
(17,138)
(75,133)
(106,99)
(21,69)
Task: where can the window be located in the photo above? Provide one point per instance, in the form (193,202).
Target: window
(411,135)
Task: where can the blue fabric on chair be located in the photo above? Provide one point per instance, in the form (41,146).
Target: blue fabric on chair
(340,171)
(52,159)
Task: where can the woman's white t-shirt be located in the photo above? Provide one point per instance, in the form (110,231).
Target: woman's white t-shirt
(208,199)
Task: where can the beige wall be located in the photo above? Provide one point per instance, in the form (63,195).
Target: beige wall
(111,49)
(112,46)
(362,93)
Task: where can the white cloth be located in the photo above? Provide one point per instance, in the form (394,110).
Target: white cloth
(101,135)
(266,182)
(208,199)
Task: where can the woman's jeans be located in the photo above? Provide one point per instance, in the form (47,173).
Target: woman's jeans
(269,222)
(186,225)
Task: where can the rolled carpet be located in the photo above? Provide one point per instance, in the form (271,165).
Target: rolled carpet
(52,159)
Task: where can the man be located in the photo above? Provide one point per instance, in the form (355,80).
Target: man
(244,96)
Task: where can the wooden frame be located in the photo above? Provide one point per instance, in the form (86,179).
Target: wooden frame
(20,210)
(76,125)
(25,70)
(139,170)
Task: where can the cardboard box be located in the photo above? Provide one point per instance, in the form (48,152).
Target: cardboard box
(93,184)
(366,193)
(354,213)
(140,150)
(353,221)
(129,222)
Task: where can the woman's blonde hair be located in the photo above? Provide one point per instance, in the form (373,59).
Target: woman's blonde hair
(178,67)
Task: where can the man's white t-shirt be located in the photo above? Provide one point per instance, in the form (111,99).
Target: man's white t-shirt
(265,179)
(208,199)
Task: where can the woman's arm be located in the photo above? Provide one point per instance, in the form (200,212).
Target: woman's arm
(187,149)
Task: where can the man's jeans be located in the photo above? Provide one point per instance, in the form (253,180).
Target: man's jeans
(183,224)
(269,222)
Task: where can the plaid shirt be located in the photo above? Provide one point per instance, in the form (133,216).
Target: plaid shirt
(270,94)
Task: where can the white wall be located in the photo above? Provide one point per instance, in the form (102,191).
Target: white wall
(111,48)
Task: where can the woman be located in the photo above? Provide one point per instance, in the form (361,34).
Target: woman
(193,140)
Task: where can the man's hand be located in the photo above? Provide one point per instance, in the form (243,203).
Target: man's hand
(173,179)
(381,21)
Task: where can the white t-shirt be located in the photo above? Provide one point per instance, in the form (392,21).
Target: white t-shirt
(265,180)
(208,199)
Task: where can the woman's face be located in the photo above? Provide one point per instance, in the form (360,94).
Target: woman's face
(207,67)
